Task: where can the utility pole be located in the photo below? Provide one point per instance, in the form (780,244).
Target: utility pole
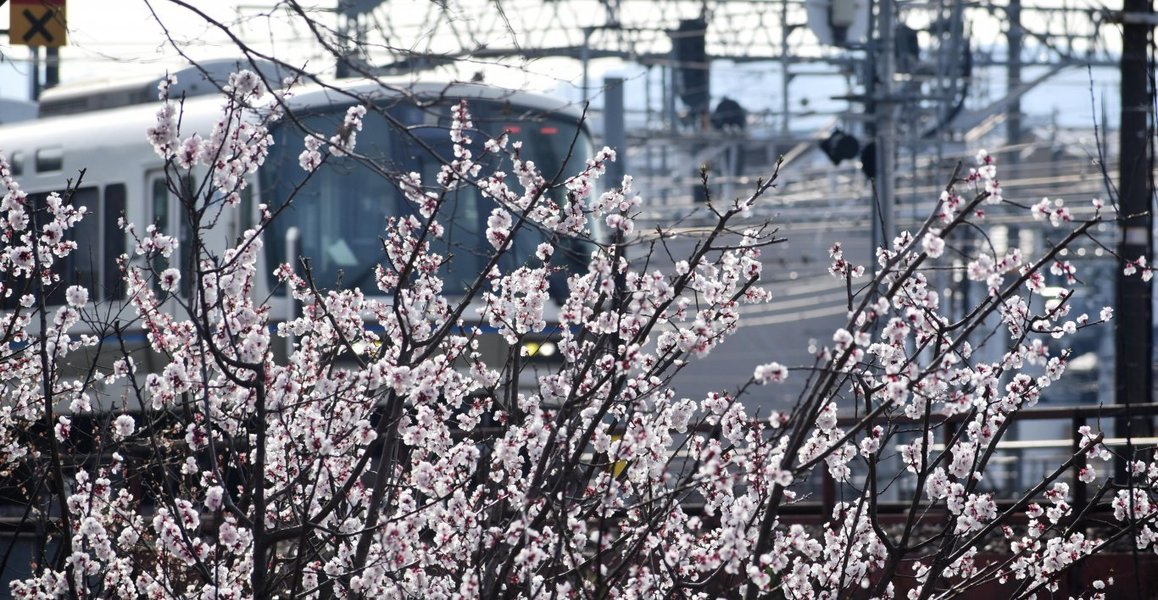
(1134,320)
(1013,75)
(886,136)
(785,75)
(615,128)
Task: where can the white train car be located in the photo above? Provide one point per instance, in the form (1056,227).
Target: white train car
(338,216)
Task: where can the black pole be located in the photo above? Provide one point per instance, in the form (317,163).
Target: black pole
(1134,319)
(51,67)
(34,73)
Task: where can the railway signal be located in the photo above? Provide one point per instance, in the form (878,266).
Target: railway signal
(37,23)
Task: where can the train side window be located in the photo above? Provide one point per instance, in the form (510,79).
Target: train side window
(49,159)
(169,219)
(245,208)
(159,209)
(240,217)
(160,203)
(114,240)
(16,163)
(82,266)
(184,235)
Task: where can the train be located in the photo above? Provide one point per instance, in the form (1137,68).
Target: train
(337,217)
(89,144)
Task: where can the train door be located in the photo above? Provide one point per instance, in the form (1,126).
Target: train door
(166,212)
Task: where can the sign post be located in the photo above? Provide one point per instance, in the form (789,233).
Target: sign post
(37,23)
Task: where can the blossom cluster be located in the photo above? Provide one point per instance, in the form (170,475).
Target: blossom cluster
(371,445)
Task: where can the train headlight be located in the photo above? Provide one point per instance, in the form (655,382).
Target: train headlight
(364,347)
(543,349)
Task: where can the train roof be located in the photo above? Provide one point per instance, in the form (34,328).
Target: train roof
(350,91)
(202,79)
(127,125)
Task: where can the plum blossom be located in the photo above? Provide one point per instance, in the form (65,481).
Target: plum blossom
(124,426)
(341,143)
(77,296)
(370,444)
(933,244)
(169,279)
(311,158)
(1138,265)
(773,372)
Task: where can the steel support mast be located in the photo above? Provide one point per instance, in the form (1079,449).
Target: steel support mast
(1133,329)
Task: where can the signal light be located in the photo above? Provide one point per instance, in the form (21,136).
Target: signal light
(840,146)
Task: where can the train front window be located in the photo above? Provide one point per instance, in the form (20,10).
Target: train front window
(341,212)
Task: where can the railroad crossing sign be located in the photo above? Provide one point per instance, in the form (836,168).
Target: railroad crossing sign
(37,23)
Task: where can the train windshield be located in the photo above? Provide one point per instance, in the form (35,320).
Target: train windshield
(341,212)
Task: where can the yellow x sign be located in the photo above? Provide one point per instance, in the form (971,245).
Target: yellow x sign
(37,23)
